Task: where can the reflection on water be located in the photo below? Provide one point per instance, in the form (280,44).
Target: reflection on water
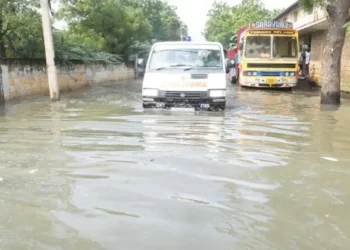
(96,172)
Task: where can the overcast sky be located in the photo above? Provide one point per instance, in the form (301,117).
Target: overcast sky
(194,12)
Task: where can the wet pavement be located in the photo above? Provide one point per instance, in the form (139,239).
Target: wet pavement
(96,172)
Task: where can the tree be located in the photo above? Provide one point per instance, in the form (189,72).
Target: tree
(220,25)
(224,19)
(338,12)
(71,46)
(26,40)
(14,15)
(98,30)
(166,24)
(119,25)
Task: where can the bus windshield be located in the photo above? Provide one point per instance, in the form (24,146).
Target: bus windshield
(285,47)
(258,47)
(175,57)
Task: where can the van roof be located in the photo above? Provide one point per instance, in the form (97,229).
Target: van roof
(184,42)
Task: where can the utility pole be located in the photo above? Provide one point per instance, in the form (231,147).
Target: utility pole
(49,51)
(180,31)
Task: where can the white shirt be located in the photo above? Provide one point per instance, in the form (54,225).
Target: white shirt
(307,58)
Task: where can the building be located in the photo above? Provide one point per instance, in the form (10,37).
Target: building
(312,27)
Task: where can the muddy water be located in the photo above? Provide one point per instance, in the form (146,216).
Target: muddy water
(96,172)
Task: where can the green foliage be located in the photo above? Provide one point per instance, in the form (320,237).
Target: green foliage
(70,46)
(14,15)
(122,24)
(347,25)
(309,4)
(99,30)
(233,41)
(25,38)
(221,24)
(119,25)
(225,20)
(165,22)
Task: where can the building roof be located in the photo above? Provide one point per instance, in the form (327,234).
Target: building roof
(293,6)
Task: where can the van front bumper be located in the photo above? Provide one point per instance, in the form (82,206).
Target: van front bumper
(197,103)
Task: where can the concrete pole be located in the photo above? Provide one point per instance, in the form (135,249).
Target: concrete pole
(180,31)
(2,96)
(49,51)
(136,68)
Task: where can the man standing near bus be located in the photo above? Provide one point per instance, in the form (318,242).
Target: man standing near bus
(307,61)
(304,60)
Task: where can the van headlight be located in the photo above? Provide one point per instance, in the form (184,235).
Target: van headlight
(150,92)
(217,93)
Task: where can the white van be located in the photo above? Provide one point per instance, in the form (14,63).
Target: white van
(185,75)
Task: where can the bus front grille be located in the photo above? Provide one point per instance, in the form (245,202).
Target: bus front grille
(272,73)
(272,65)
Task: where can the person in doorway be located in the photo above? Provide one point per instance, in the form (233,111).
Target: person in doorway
(307,61)
(304,60)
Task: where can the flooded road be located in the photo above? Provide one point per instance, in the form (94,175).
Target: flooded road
(96,172)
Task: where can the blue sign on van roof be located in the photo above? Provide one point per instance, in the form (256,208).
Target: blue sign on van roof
(187,38)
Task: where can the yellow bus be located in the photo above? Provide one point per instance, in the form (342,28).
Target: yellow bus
(269,55)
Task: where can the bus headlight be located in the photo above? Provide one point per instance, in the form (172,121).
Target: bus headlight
(292,74)
(255,73)
(150,92)
(249,73)
(287,74)
(217,93)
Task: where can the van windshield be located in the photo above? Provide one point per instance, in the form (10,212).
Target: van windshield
(185,56)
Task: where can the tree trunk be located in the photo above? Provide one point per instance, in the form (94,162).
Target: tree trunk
(338,11)
(2,49)
(2,44)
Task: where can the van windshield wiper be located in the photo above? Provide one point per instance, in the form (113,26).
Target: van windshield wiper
(189,68)
(176,66)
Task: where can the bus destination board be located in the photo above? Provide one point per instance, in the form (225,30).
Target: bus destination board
(271,25)
(272,32)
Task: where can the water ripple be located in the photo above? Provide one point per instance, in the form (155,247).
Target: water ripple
(95,172)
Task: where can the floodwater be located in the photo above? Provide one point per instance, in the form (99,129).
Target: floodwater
(96,172)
